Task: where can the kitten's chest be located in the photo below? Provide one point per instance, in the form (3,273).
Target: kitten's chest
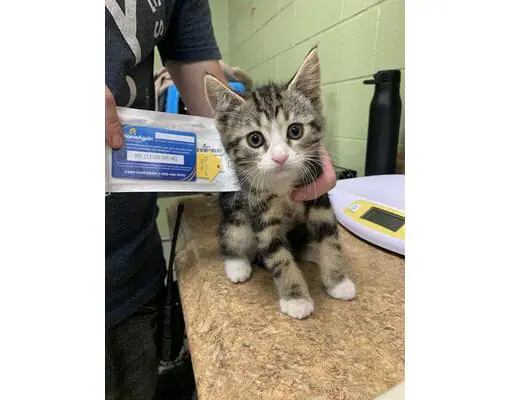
(292,213)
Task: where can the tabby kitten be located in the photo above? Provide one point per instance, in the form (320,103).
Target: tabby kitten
(273,135)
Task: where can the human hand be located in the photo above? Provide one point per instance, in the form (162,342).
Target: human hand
(324,183)
(113,128)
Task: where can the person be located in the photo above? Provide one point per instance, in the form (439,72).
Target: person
(134,263)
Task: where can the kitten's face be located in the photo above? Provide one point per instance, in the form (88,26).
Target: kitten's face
(274,135)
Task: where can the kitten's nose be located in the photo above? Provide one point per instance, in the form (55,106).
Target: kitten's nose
(280,159)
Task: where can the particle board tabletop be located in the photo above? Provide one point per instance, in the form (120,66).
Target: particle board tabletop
(242,347)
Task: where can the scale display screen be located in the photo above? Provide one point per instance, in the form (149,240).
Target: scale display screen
(386,219)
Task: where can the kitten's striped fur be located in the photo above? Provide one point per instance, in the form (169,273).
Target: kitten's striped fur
(274,137)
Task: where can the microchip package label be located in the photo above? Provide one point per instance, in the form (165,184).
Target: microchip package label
(155,153)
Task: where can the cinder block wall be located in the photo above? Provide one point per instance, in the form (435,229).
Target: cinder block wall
(356,38)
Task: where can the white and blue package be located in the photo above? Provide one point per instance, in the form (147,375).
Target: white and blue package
(165,152)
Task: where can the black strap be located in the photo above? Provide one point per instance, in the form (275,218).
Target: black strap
(173,318)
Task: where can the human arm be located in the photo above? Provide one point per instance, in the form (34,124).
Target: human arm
(189,51)
(189,79)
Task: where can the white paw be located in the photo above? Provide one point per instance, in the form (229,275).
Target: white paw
(238,269)
(344,290)
(296,308)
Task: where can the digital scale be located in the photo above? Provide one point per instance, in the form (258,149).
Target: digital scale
(373,209)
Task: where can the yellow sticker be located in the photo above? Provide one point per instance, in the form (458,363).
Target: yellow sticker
(208,165)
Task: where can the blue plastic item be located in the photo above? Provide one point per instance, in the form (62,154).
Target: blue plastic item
(172,96)
(237,87)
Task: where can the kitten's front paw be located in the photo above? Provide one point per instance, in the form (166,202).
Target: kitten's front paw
(238,269)
(344,290)
(296,308)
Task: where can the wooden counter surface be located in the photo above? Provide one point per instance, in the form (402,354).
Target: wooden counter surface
(242,347)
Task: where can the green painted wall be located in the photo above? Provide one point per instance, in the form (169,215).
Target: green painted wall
(270,38)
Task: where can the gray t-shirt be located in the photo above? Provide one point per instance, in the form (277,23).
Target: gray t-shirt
(182,31)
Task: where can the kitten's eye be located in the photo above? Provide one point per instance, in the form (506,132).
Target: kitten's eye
(255,139)
(295,131)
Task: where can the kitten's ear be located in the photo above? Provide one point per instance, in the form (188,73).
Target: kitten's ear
(217,93)
(307,79)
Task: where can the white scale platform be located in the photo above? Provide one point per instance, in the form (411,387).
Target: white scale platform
(373,208)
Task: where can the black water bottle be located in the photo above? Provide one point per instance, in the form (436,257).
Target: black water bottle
(383,124)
